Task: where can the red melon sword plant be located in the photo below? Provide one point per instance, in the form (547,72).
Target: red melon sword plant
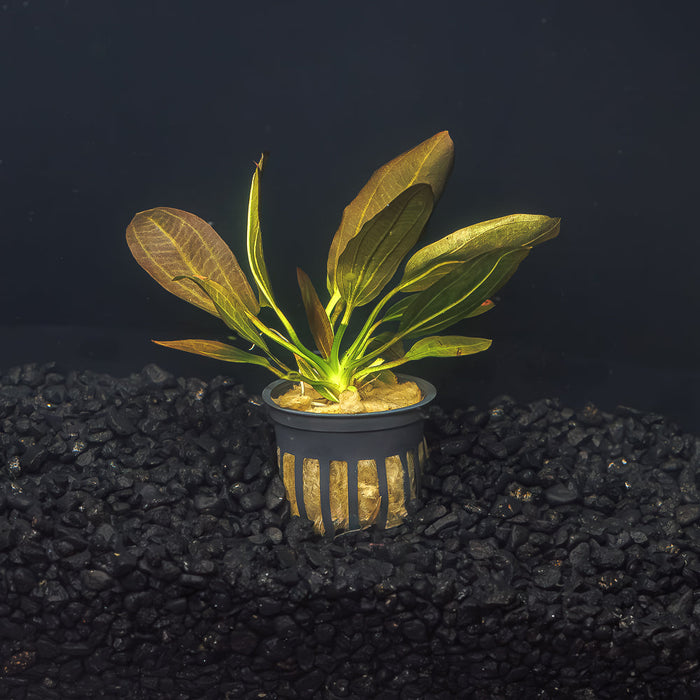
(442,283)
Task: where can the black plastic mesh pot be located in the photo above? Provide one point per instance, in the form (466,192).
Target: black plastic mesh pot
(349,471)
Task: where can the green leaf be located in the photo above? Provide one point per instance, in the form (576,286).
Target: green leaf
(256,259)
(460,292)
(446,346)
(372,257)
(217,351)
(319,323)
(438,259)
(429,162)
(170,243)
(231,310)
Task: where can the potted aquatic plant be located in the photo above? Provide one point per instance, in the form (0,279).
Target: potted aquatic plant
(349,431)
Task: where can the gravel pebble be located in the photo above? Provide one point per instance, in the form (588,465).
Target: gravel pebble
(146,548)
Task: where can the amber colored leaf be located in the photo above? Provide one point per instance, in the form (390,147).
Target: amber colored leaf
(217,351)
(231,310)
(319,323)
(429,162)
(169,243)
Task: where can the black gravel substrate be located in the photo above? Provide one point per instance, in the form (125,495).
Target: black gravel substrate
(146,552)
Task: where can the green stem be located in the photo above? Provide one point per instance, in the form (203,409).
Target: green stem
(367,338)
(279,363)
(378,352)
(363,337)
(380,368)
(332,303)
(287,325)
(278,373)
(335,350)
(296,348)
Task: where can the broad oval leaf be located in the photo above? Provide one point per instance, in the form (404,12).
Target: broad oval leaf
(372,257)
(217,351)
(446,346)
(231,310)
(170,243)
(429,162)
(319,323)
(460,292)
(436,260)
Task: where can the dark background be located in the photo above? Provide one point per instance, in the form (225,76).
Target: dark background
(584,110)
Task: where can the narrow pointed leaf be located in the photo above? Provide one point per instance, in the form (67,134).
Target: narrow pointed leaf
(429,162)
(446,346)
(319,323)
(217,351)
(372,257)
(460,292)
(231,310)
(168,243)
(256,258)
(436,260)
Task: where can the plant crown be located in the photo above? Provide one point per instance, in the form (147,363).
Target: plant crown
(442,283)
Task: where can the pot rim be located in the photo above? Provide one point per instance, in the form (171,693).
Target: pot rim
(428,389)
